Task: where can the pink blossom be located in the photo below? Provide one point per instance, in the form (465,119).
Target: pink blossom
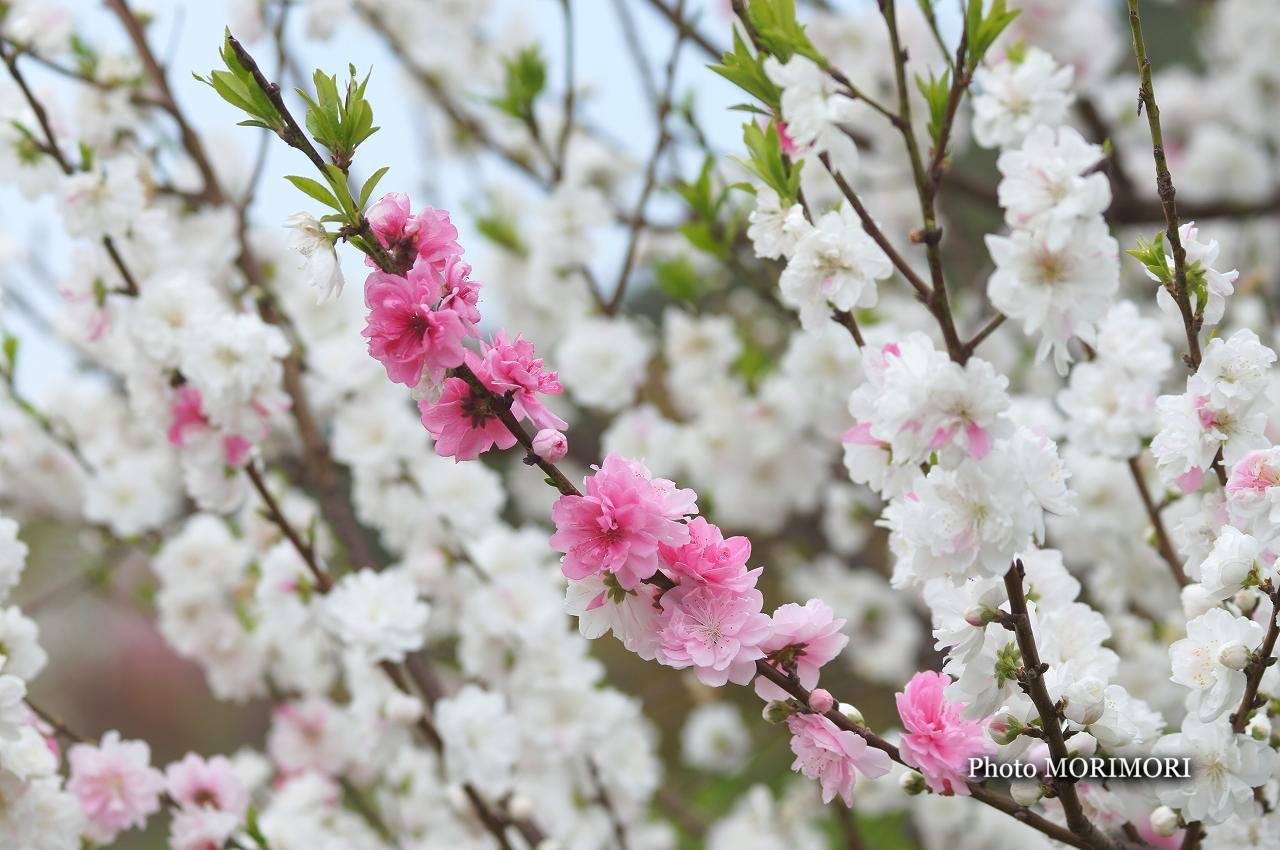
(938,741)
(464,424)
(821,701)
(187,414)
(407,333)
(620,522)
(1254,473)
(804,638)
(509,366)
(550,445)
(196,783)
(716,630)
(429,235)
(458,291)
(201,829)
(830,755)
(708,558)
(116,785)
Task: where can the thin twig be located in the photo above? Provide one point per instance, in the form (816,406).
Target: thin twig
(1157,523)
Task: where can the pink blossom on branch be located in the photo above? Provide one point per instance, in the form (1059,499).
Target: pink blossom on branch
(804,638)
(716,630)
(708,558)
(618,525)
(938,741)
(463,423)
(509,366)
(195,782)
(408,332)
(116,785)
(833,756)
(429,234)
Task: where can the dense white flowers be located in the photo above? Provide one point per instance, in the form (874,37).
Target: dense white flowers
(378,614)
(1017,94)
(1211,658)
(834,264)
(481,743)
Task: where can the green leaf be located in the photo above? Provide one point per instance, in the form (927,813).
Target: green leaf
(982,29)
(936,92)
(746,71)
(1151,254)
(679,279)
(339,119)
(524,78)
(766,161)
(237,87)
(316,190)
(778,30)
(366,191)
(10,349)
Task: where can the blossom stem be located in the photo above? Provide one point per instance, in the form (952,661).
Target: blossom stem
(1031,679)
(1263,658)
(1164,186)
(1157,523)
(636,221)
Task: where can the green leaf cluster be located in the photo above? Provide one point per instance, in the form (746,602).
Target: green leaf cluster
(237,87)
(524,78)
(983,28)
(778,30)
(339,121)
(767,162)
(746,71)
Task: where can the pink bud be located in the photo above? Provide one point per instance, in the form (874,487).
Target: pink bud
(550,445)
(821,701)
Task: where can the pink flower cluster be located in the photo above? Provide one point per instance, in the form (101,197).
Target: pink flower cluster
(211,800)
(679,586)
(938,741)
(418,322)
(188,423)
(115,784)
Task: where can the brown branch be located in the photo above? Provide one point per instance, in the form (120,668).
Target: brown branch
(1031,680)
(1157,523)
(636,222)
(1263,658)
(1191,320)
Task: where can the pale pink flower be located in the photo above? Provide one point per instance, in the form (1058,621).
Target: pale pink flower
(201,829)
(620,522)
(197,783)
(406,329)
(804,638)
(937,740)
(821,700)
(188,420)
(716,630)
(458,291)
(463,423)
(830,755)
(550,445)
(116,785)
(509,366)
(1254,473)
(708,558)
(429,235)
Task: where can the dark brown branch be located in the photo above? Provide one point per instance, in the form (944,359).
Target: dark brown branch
(1157,523)
(1263,658)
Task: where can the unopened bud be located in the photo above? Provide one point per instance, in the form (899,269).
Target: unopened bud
(520,807)
(1259,727)
(1234,655)
(912,783)
(550,445)
(1164,821)
(1082,745)
(852,713)
(548,844)
(977,616)
(1085,701)
(1004,729)
(1026,792)
(402,709)
(457,799)
(777,711)
(821,701)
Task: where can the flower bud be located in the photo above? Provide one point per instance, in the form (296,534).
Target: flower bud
(550,445)
(1004,729)
(457,799)
(852,713)
(777,711)
(1085,701)
(1164,821)
(977,616)
(1246,600)
(520,807)
(402,709)
(1259,727)
(912,783)
(1234,655)
(821,701)
(1196,601)
(1082,745)
(1026,792)
(548,844)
